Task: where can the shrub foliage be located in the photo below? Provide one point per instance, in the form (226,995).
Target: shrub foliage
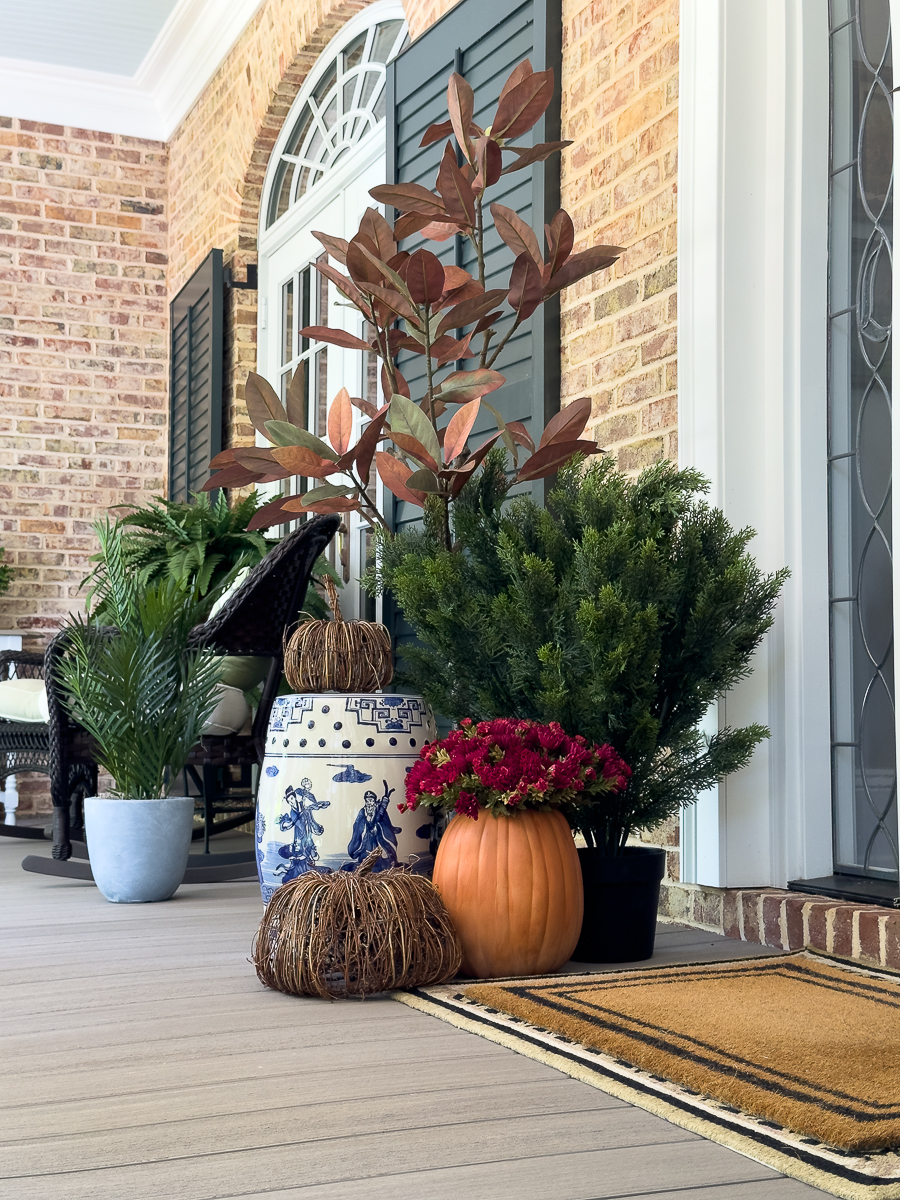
(622,611)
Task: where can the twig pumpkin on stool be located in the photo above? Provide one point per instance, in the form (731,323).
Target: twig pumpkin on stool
(507,868)
(338,655)
(355,933)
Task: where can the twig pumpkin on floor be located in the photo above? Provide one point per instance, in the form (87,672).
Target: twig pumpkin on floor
(338,655)
(355,933)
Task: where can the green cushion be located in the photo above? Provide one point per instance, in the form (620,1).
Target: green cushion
(24,700)
(244,671)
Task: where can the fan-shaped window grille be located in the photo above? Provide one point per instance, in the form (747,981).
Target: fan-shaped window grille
(346,101)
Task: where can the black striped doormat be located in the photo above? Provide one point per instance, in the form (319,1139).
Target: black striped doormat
(793,1060)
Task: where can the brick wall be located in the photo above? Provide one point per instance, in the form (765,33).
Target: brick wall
(83,349)
(620,107)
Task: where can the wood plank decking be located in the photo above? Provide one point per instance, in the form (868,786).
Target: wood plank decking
(141,1060)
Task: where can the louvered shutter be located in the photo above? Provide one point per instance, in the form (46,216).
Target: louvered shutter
(195,381)
(483,40)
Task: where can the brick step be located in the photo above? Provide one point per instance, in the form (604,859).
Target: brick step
(868,933)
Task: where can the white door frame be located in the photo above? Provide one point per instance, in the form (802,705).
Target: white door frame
(752,302)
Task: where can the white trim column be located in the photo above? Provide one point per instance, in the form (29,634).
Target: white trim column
(753,228)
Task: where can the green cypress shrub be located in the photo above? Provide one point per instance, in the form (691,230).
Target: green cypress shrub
(622,610)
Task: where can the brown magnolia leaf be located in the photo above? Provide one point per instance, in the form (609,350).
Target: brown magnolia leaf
(335,337)
(549,459)
(435,133)
(295,400)
(456,191)
(255,458)
(300,460)
(262,403)
(402,388)
(425,277)
(526,287)
(487,321)
(461,107)
(468,291)
(409,197)
(474,460)
(560,240)
(473,309)
(365,406)
(516,76)
(360,265)
(340,421)
(439,231)
(523,105)
(414,448)
(368,443)
(568,424)
(456,278)
(394,475)
(462,386)
(232,477)
(270,514)
(458,429)
(520,237)
(526,155)
(376,228)
(339,504)
(225,458)
(579,266)
(336,247)
(393,300)
(489,161)
(411,223)
(447,349)
(345,286)
(424,480)
(520,434)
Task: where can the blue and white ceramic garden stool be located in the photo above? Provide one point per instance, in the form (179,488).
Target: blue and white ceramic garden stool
(333,774)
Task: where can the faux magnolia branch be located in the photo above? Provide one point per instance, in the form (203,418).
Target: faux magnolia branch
(413,302)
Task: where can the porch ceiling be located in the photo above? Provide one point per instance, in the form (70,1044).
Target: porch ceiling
(133,67)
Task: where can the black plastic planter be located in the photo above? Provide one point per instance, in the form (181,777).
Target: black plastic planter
(621,897)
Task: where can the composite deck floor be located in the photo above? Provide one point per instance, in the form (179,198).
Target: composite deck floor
(142,1060)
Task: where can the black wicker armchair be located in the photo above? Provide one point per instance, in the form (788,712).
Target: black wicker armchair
(252,622)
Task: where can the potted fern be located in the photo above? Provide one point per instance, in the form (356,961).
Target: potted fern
(144,695)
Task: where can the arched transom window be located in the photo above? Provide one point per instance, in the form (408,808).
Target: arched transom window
(345,102)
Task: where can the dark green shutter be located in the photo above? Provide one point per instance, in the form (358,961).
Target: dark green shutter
(483,40)
(195,377)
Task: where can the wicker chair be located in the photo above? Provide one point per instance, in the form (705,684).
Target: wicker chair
(250,623)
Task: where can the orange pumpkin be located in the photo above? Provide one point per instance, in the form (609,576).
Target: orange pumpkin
(512,887)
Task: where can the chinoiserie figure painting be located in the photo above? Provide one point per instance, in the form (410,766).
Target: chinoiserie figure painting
(301,853)
(372,830)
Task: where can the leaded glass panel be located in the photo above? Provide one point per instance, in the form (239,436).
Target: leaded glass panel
(864,775)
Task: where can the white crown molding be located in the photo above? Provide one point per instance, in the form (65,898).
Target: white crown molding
(188,51)
(190,48)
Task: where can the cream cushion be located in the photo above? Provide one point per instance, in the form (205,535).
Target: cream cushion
(230,714)
(244,671)
(24,700)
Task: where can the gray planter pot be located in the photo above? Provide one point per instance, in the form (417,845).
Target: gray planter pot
(138,848)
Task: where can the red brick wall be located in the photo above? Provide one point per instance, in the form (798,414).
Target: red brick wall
(83,349)
(619,181)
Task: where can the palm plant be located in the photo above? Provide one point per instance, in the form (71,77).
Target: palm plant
(136,685)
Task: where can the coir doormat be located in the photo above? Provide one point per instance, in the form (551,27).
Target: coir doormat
(793,1060)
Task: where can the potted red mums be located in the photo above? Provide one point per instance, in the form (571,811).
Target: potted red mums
(506,867)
